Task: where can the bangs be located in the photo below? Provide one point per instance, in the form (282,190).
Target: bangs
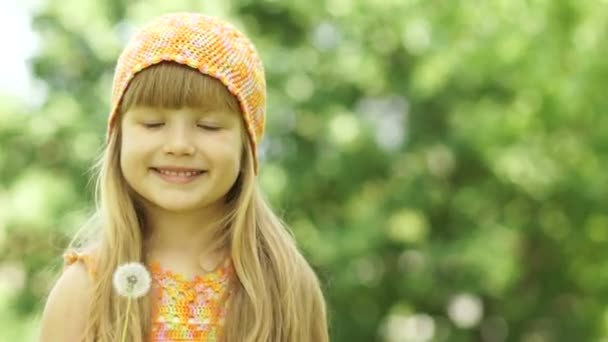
(172,85)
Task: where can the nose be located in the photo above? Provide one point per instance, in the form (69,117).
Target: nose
(179,140)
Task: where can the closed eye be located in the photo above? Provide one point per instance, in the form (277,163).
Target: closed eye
(153,125)
(210,128)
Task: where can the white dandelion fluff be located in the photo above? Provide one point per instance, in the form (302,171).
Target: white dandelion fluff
(131,280)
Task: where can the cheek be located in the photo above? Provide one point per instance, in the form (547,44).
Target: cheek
(131,150)
(133,141)
(227,147)
(236,154)
(126,161)
(125,150)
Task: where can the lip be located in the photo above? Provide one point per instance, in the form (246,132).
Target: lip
(178,179)
(177,169)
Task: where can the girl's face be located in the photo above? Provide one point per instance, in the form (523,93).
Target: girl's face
(180,159)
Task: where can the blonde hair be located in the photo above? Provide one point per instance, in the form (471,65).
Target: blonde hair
(277,296)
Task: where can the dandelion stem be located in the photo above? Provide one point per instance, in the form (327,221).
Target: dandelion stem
(124,328)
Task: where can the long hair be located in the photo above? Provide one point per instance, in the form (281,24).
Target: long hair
(277,296)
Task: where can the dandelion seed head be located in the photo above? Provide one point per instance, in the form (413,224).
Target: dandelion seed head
(131,280)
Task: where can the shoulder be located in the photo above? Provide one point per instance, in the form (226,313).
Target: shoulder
(68,303)
(87,258)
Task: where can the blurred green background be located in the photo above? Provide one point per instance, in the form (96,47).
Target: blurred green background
(442,163)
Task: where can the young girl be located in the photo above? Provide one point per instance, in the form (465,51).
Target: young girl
(177,191)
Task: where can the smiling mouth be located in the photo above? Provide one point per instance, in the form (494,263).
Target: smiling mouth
(178,176)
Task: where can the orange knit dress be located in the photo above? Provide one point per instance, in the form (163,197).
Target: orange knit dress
(182,309)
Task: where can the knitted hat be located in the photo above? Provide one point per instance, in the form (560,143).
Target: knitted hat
(204,43)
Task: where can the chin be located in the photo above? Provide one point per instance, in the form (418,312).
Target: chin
(179,207)
(185,205)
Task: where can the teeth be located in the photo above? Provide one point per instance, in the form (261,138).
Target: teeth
(179,174)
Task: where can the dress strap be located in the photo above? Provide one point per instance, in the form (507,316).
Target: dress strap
(87,260)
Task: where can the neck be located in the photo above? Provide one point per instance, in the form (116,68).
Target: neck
(184,235)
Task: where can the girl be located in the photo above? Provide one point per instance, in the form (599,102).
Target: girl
(176,190)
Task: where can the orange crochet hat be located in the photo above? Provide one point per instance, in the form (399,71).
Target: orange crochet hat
(207,44)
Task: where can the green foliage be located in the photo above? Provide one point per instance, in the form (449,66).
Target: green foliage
(433,158)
